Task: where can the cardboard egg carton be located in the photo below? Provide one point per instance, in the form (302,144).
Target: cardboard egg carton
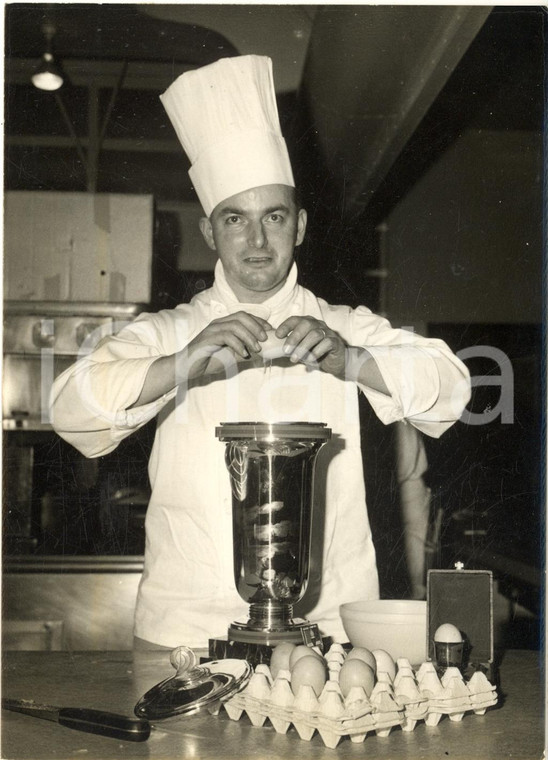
(452,695)
(403,701)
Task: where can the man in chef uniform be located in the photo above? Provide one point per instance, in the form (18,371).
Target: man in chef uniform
(200,364)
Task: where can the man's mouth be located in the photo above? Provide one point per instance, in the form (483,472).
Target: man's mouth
(257,259)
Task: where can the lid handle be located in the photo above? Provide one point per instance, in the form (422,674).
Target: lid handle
(184,661)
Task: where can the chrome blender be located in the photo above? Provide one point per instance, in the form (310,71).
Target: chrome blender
(271,468)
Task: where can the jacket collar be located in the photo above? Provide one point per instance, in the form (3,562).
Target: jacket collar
(222,293)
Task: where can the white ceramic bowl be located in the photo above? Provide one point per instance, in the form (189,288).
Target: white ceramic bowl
(396,625)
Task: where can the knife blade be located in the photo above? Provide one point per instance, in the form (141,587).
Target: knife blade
(84,719)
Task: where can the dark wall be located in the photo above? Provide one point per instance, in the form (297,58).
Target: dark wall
(466,199)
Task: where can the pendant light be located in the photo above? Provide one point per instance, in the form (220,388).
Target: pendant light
(48,75)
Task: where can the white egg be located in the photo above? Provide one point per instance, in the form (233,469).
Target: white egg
(385,662)
(272,347)
(279,659)
(309,670)
(355,672)
(448,633)
(302,651)
(361,653)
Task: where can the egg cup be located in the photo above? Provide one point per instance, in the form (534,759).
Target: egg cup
(448,654)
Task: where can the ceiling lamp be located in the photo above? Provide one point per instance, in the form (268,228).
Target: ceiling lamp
(48,75)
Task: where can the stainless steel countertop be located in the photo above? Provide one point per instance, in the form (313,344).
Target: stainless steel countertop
(115,680)
(73,564)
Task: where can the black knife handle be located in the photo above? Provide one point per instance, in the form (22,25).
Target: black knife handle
(105,724)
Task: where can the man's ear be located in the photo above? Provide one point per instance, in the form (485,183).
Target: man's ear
(207,231)
(301,225)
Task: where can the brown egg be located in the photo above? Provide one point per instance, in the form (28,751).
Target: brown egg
(361,653)
(279,659)
(385,662)
(302,651)
(355,672)
(311,671)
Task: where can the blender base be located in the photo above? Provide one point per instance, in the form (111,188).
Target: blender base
(256,646)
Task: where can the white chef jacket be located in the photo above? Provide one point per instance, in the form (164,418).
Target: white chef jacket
(187,592)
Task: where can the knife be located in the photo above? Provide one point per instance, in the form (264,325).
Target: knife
(84,719)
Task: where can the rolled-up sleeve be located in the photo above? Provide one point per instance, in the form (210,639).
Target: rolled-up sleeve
(91,403)
(429,386)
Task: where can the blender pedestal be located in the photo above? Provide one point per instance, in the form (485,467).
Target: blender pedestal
(256,646)
(271,468)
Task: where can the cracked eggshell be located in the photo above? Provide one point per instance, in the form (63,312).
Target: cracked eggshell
(272,347)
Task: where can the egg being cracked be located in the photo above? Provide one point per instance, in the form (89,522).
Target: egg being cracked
(447,633)
(310,670)
(361,653)
(355,672)
(272,347)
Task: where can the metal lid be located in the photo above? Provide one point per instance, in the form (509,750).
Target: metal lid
(194,687)
(269,431)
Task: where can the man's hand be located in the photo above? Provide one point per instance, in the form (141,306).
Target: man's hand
(239,336)
(234,337)
(311,341)
(214,350)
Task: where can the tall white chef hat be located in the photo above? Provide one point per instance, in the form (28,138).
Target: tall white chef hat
(226,118)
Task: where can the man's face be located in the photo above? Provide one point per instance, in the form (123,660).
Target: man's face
(255,233)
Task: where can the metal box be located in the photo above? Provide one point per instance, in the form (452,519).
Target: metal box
(465,599)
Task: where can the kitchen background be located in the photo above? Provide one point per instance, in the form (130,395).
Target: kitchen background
(416,134)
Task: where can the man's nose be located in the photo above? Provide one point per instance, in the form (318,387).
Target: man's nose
(257,237)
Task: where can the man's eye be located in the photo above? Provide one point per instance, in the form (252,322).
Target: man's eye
(232,219)
(275,218)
